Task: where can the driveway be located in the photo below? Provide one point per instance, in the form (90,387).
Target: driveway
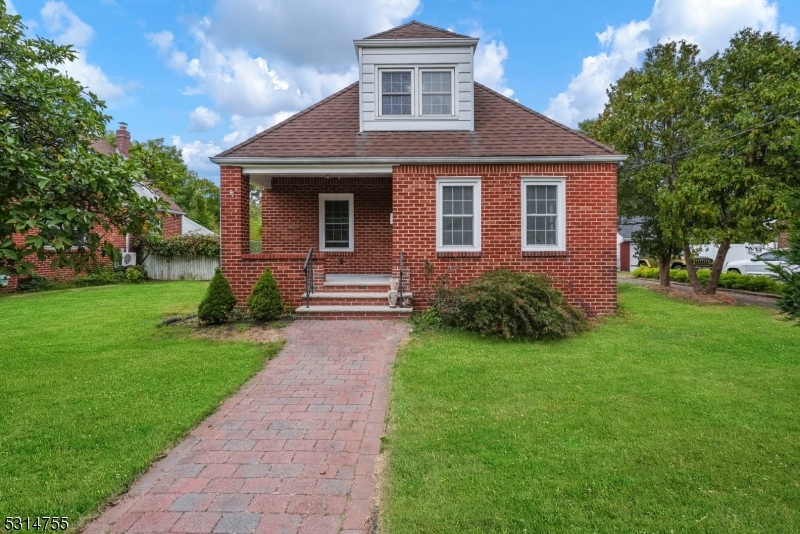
(294,451)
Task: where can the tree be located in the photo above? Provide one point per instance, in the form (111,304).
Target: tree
(737,184)
(219,300)
(789,301)
(265,303)
(165,169)
(54,189)
(652,116)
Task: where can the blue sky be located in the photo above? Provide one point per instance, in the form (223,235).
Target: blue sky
(206,74)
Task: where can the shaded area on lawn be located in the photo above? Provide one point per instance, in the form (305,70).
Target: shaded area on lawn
(92,391)
(669,417)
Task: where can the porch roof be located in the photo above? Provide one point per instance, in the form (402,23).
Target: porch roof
(504,131)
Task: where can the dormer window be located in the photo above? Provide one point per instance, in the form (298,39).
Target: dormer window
(396,92)
(437,92)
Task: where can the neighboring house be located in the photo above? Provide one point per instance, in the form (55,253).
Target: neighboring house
(418,161)
(174,219)
(626,250)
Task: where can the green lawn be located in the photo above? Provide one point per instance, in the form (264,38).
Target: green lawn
(669,418)
(92,391)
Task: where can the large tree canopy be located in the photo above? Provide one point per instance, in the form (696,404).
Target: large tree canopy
(58,193)
(164,167)
(714,145)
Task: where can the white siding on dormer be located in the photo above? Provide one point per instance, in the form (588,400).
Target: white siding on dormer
(459,58)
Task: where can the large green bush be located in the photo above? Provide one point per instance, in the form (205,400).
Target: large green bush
(510,305)
(742,282)
(265,303)
(218,302)
(185,245)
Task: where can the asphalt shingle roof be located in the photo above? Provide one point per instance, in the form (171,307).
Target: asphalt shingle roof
(503,127)
(416,30)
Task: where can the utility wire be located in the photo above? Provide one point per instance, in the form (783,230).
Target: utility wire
(712,143)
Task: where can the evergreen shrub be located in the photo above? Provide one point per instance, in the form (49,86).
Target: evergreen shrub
(218,302)
(265,303)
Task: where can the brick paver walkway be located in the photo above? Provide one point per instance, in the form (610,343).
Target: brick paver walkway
(293,452)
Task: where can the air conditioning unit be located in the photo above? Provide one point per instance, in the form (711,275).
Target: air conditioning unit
(128,259)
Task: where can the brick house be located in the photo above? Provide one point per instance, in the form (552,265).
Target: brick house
(173,218)
(417,160)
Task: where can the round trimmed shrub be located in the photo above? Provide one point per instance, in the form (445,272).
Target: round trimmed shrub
(219,300)
(510,305)
(265,303)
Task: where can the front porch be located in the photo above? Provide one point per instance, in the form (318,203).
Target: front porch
(344,222)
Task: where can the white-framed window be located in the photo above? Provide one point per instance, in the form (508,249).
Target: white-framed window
(396,86)
(458,214)
(336,222)
(544,214)
(436,92)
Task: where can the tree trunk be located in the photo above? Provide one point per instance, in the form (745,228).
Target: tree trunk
(692,270)
(716,269)
(663,270)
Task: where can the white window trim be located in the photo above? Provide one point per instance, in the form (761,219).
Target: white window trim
(413,72)
(561,230)
(452,72)
(334,196)
(476,209)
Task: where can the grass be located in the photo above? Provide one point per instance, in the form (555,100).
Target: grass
(670,417)
(92,391)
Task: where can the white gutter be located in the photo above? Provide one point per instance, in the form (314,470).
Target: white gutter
(329,164)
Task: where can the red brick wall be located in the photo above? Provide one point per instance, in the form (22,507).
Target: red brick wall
(171,225)
(44,268)
(586,272)
(291,221)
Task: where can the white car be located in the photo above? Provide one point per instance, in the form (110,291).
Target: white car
(757,265)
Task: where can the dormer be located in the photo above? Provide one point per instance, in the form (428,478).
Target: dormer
(416,77)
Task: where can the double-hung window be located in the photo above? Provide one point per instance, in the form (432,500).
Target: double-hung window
(458,214)
(544,214)
(437,92)
(336,222)
(396,92)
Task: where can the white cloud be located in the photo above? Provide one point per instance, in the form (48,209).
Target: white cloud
(195,154)
(58,19)
(68,28)
(202,119)
(789,32)
(10,9)
(305,32)
(490,66)
(709,23)
(164,42)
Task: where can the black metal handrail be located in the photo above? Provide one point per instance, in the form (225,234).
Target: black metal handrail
(308,269)
(400,285)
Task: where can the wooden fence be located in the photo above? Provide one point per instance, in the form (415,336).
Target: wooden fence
(180,267)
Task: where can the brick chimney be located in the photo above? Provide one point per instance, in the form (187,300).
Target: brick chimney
(124,139)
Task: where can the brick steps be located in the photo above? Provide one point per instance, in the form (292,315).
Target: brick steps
(341,298)
(350,311)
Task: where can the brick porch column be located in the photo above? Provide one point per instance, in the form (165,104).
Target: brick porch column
(234,221)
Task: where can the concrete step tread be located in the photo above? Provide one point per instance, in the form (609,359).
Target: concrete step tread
(353,295)
(349,308)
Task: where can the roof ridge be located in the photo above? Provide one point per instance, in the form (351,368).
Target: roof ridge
(287,121)
(409,23)
(548,119)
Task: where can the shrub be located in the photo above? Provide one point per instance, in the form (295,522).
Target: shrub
(265,303)
(789,301)
(136,274)
(427,320)
(34,283)
(645,272)
(219,300)
(185,245)
(509,305)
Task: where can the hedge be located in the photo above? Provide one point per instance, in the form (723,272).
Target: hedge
(742,282)
(186,245)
